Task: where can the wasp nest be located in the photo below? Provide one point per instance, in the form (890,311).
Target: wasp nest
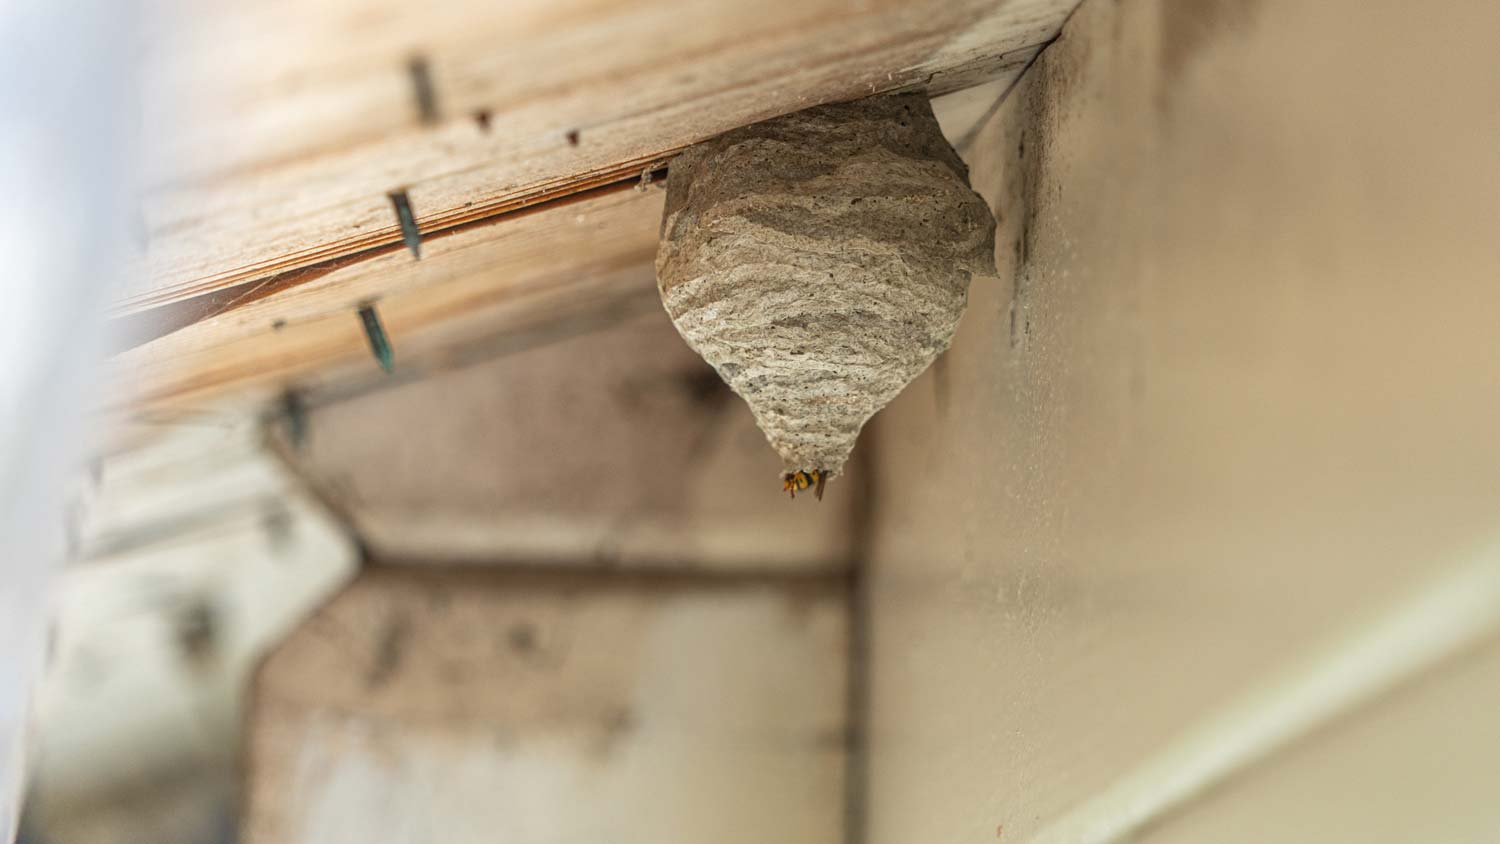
(820,261)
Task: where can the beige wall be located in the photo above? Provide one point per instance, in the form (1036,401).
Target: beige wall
(193,554)
(1420,765)
(602,441)
(427,705)
(1232,401)
(644,640)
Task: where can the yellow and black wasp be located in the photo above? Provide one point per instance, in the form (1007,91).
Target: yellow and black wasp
(794,482)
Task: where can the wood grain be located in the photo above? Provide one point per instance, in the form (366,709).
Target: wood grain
(480,288)
(470,287)
(278,128)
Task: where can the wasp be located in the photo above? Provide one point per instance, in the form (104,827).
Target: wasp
(793,482)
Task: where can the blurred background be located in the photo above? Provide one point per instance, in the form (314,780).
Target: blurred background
(357,487)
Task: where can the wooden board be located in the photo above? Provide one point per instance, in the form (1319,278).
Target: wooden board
(276,129)
(423,705)
(511,281)
(523,274)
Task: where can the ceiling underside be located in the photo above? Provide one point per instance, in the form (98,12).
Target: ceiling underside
(519,131)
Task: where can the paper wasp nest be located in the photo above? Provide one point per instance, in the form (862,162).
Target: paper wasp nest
(820,261)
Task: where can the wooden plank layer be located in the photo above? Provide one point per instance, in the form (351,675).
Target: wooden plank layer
(569,261)
(481,287)
(279,128)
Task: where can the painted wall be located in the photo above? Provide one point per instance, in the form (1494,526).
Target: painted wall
(604,442)
(592,616)
(431,705)
(1229,410)
(193,554)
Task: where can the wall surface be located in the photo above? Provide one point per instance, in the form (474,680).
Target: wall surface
(1230,404)
(1420,766)
(429,705)
(191,555)
(600,441)
(595,615)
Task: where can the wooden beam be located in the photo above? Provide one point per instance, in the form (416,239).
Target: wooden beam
(280,130)
(525,274)
(480,287)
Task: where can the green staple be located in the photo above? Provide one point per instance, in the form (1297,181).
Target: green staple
(409,232)
(379,343)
